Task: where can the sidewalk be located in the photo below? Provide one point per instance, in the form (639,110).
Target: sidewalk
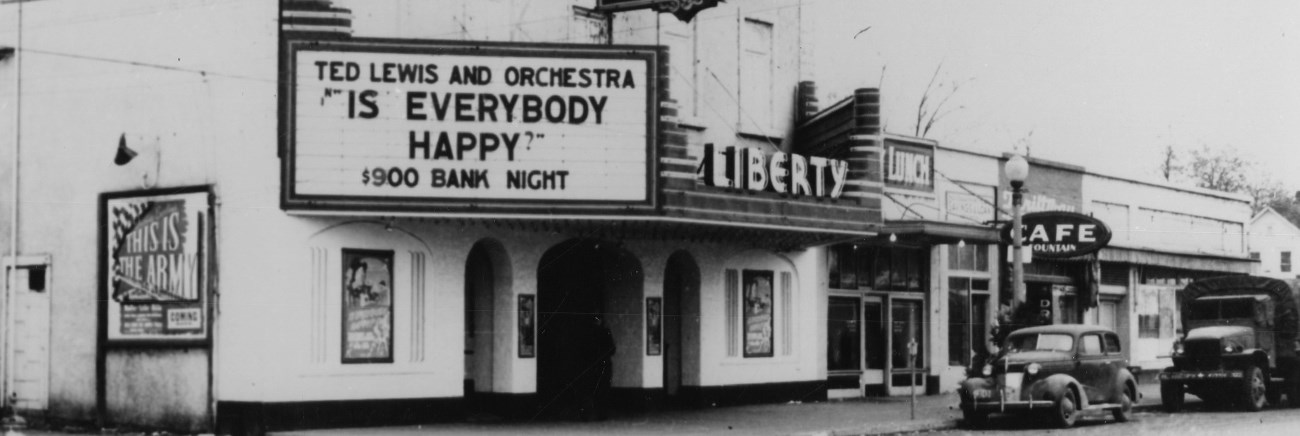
(859,416)
(862,416)
(870,416)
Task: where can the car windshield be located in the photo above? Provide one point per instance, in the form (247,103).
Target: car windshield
(1042,342)
(1222,308)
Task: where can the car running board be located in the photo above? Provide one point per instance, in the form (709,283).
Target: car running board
(1103,406)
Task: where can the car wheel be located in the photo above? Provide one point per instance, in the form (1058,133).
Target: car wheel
(1253,389)
(1126,401)
(974,418)
(1171,396)
(1067,410)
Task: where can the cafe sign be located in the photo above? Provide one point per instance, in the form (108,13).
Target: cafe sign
(1058,235)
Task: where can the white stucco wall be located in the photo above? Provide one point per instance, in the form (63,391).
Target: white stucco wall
(193,93)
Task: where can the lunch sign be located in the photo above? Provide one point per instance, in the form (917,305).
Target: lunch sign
(385,125)
(1058,234)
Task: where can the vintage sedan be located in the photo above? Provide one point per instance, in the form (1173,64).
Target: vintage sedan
(1062,371)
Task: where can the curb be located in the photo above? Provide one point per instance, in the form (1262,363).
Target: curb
(890,429)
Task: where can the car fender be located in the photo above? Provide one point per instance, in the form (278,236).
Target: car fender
(1055,386)
(1125,378)
(971,384)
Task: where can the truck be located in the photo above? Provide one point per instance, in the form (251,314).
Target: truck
(1238,345)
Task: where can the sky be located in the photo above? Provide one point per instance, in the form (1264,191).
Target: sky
(1103,84)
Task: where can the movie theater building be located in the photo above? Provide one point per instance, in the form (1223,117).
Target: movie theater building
(426,216)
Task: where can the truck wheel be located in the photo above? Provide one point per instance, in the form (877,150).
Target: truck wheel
(1254,389)
(1274,394)
(1293,389)
(1067,410)
(1171,395)
(1126,401)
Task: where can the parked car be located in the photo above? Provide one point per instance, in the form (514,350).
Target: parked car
(1062,371)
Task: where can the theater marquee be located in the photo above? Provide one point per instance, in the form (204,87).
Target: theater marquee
(382,125)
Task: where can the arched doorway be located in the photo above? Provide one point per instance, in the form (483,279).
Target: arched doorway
(487,274)
(681,280)
(577,281)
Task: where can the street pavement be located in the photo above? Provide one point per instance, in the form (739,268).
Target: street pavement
(862,416)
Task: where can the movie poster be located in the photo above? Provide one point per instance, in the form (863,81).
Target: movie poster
(654,326)
(156,250)
(758,313)
(527,316)
(367,306)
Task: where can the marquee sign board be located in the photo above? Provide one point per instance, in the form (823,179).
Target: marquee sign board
(399,125)
(1058,235)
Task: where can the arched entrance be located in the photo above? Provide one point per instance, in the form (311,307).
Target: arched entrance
(487,274)
(577,281)
(681,280)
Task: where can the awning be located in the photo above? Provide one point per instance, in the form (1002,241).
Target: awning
(1180,260)
(940,232)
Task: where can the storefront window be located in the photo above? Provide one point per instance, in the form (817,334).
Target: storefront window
(842,349)
(968,258)
(883,268)
(968,301)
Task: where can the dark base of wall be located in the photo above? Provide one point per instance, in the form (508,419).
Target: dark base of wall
(511,407)
(245,418)
(734,395)
(251,418)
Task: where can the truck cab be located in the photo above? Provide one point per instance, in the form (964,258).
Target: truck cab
(1239,346)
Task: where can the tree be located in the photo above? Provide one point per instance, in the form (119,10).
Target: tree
(1169,166)
(1219,169)
(928,111)
(1224,169)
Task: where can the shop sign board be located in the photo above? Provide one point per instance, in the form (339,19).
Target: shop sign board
(751,169)
(682,9)
(909,165)
(1051,186)
(1057,234)
(157,249)
(384,125)
(962,206)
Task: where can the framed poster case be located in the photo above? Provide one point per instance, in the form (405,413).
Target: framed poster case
(757,312)
(367,306)
(527,325)
(654,326)
(156,251)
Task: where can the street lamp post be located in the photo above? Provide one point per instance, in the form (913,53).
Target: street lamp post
(1017,169)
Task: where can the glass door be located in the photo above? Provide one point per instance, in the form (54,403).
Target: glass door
(875,345)
(907,318)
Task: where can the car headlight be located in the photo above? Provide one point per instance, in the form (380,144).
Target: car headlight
(1033,368)
(1178,348)
(987,371)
